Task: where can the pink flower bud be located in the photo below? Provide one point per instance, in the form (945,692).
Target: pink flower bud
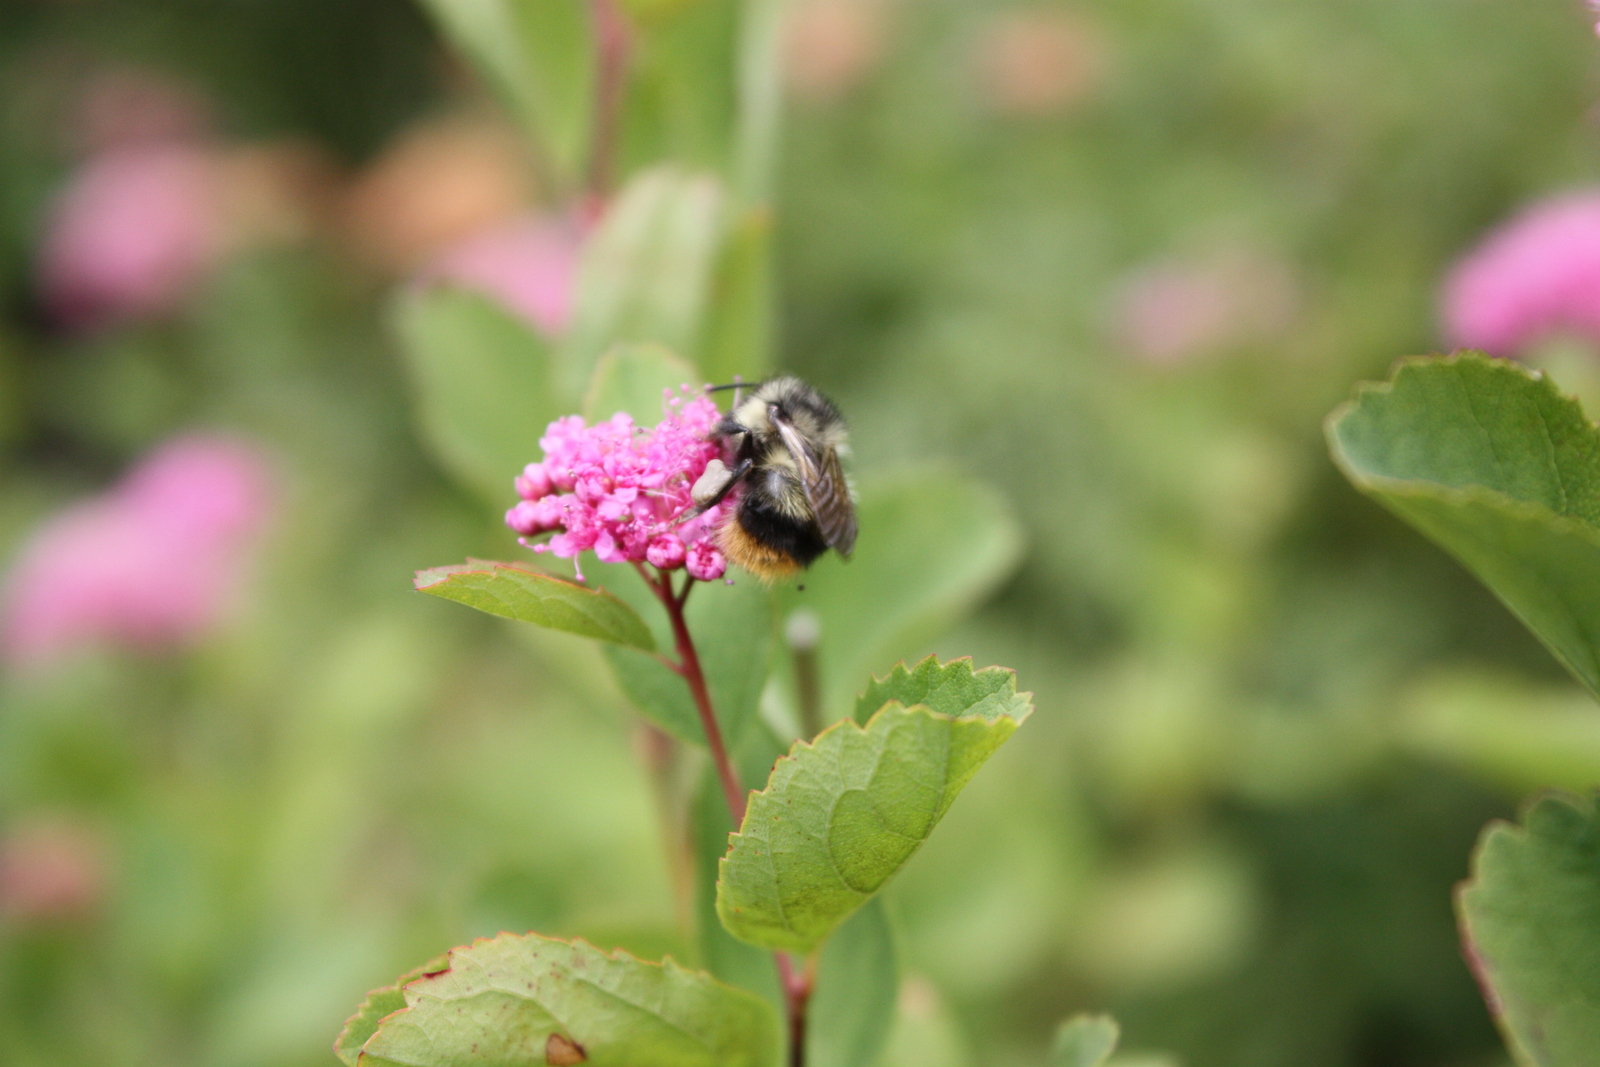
(533,482)
(666,552)
(705,561)
(524,518)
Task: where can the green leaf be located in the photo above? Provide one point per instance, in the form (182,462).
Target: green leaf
(631,378)
(539,56)
(513,591)
(842,813)
(646,272)
(482,384)
(760,100)
(735,633)
(952,689)
(513,1000)
(682,89)
(852,1007)
(1085,1041)
(933,544)
(1531,926)
(1492,462)
(380,1003)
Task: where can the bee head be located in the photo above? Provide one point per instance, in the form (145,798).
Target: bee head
(788,399)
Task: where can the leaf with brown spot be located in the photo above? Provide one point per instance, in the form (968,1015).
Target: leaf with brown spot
(531,999)
(560,1052)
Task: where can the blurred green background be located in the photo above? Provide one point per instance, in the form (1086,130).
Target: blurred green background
(1116,259)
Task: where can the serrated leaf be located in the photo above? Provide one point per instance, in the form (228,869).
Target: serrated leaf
(515,592)
(511,1000)
(852,1007)
(843,813)
(933,544)
(952,689)
(380,1003)
(1531,925)
(632,378)
(1085,1041)
(481,378)
(646,272)
(735,633)
(539,56)
(1493,463)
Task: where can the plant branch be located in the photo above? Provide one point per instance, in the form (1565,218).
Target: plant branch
(796,995)
(689,668)
(612,46)
(796,983)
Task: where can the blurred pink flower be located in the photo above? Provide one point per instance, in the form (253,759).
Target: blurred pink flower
(830,46)
(1041,61)
(153,562)
(1534,276)
(132,231)
(51,868)
(623,492)
(1174,311)
(528,264)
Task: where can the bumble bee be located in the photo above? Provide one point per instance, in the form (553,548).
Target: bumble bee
(784,441)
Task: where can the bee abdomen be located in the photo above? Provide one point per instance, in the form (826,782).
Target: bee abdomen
(769,543)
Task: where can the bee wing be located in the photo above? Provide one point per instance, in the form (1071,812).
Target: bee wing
(826,489)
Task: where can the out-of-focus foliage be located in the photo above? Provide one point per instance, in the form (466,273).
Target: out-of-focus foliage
(1528,917)
(1116,259)
(1501,469)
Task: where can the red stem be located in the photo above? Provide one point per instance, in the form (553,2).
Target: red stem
(796,994)
(611,46)
(796,984)
(689,668)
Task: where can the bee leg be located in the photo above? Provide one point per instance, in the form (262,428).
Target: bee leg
(716,496)
(734,477)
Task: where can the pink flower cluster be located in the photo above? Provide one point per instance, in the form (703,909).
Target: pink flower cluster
(153,562)
(1537,275)
(622,491)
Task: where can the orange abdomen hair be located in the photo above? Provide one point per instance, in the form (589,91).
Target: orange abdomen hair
(761,560)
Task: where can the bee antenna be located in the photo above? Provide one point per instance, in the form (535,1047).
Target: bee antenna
(737,385)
